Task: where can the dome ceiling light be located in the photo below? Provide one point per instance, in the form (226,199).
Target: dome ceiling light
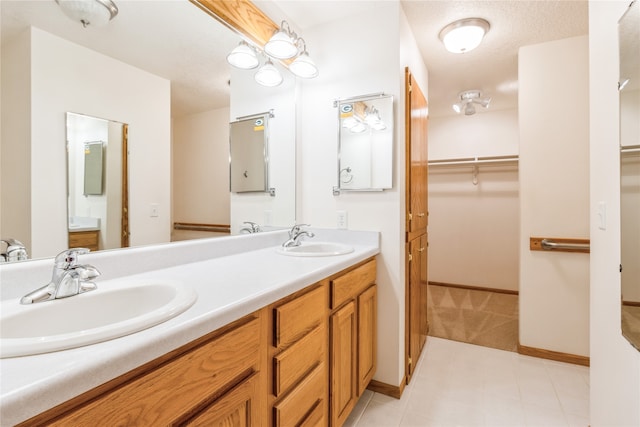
(89,12)
(464,35)
(467,100)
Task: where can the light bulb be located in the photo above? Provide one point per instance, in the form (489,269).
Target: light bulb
(268,75)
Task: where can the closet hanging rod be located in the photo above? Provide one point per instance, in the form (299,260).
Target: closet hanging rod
(474,161)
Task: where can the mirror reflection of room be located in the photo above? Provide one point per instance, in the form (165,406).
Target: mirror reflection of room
(174,91)
(366,143)
(95,176)
(629,91)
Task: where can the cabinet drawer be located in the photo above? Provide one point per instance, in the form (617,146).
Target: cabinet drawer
(302,400)
(352,283)
(292,364)
(84,239)
(295,318)
(162,396)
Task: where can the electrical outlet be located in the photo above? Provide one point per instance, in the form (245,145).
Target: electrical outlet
(268,217)
(342,219)
(154,210)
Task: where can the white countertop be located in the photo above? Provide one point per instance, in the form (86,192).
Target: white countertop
(228,288)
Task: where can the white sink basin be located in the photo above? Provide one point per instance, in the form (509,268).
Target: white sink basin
(316,249)
(106,313)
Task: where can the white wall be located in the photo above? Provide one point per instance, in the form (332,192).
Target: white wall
(490,133)
(474,229)
(200,159)
(354,60)
(615,365)
(554,193)
(67,77)
(15,150)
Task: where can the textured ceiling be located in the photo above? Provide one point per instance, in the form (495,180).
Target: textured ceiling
(173,39)
(177,41)
(493,66)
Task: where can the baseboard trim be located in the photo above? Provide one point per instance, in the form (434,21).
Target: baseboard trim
(474,288)
(387,389)
(553,355)
(631,303)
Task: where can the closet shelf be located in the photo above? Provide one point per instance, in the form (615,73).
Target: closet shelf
(475,161)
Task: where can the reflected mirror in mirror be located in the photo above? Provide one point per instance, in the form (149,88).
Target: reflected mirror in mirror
(365,152)
(629,43)
(174,80)
(249,158)
(97,182)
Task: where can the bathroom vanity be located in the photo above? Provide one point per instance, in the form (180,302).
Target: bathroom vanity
(289,341)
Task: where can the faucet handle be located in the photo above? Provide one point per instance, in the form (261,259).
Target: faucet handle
(296,229)
(69,258)
(253,227)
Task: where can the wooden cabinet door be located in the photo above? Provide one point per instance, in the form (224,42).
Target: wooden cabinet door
(367,330)
(237,408)
(343,363)
(424,282)
(416,301)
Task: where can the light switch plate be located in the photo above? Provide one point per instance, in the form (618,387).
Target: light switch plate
(342,219)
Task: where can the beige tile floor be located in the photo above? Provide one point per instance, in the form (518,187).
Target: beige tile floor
(460,384)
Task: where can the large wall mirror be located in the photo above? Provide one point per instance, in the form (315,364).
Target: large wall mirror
(365,153)
(161,68)
(629,42)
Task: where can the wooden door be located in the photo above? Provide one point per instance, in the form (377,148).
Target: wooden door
(416,173)
(124,225)
(416,223)
(343,363)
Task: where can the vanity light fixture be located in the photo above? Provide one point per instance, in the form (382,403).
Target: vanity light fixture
(89,12)
(467,100)
(363,117)
(243,57)
(464,35)
(283,45)
(268,75)
(303,66)
(372,118)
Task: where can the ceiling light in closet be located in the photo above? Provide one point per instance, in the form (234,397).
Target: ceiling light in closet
(467,99)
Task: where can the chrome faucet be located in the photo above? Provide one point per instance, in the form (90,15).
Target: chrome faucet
(68,279)
(295,234)
(252,227)
(16,251)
